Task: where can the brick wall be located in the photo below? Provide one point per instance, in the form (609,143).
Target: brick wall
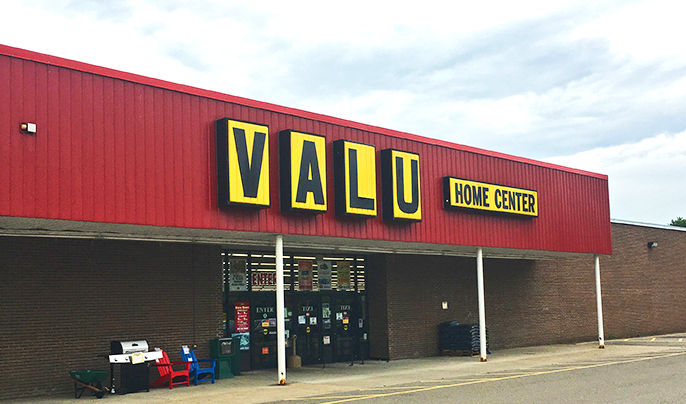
(644,290)
(539,302)
(64,300)
(526,304)
(416,287)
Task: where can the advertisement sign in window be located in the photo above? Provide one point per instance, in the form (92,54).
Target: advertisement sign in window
(238,276)
(242,316)
(324,274)
(343,274)
(305,275)
(245,340)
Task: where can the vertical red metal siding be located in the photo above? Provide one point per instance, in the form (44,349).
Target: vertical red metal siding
(109,150)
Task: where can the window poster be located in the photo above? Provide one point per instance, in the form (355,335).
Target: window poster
(304,275)
(238,275)
(326,310)
(242,316)
(244,344)
(343,274)
(324,274)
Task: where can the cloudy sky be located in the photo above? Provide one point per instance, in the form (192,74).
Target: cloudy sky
(599,86)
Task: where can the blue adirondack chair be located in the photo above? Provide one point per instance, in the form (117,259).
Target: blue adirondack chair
(197,373)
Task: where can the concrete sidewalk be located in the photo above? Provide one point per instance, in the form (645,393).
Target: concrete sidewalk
(312,381)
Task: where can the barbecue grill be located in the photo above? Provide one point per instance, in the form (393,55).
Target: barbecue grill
(133,360)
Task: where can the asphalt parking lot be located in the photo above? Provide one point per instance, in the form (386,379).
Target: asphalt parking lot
(634,377)
(645,369)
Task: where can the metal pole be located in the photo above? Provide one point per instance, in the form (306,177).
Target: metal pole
(280,322)
(599,301)
(482,307)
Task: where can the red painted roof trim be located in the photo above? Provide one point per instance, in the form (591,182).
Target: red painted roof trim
(118,74)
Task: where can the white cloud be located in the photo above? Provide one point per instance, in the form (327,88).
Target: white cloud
(642,30)
(646,178)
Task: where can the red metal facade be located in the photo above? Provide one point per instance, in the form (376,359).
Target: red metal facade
(115,147)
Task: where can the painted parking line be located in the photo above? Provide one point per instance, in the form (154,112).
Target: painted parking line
(362,395)
(486,380)
(351,396)
(400,387)
(300,399)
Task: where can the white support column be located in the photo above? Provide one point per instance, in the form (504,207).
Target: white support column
(482,305)
(280,322)
(599,302)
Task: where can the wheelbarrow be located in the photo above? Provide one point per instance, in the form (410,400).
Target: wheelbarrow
(89,379)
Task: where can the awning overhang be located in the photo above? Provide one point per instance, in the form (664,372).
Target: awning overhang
(36,227)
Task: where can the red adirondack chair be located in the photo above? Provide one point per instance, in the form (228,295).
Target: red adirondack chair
(170,376)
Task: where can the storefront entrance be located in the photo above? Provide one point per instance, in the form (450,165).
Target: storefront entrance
(326,313)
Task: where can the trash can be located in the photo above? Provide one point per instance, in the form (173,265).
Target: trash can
(236,356)
(224,351)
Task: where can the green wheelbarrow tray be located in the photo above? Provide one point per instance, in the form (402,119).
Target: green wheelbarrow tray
(89,379)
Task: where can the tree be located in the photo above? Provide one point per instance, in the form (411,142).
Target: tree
(679,221)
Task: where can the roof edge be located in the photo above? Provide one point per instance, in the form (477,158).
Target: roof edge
(650,225)
(135,78)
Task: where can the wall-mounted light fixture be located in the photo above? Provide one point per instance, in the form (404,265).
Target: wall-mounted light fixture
(28,127)
(652,244)
(444,305)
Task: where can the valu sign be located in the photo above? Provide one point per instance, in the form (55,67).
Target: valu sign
(400,185)
(302,158)
(354,174)
(243,177)
(243,173)
(243,163)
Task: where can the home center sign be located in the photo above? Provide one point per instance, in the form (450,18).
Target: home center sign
(473,195)
(243,176)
